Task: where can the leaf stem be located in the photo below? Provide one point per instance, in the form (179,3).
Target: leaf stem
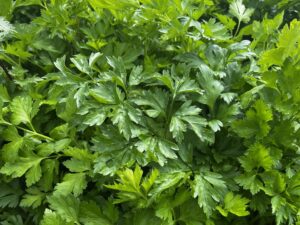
(32,127)
(36,133)
(169,114)
(33,132)
(237,29)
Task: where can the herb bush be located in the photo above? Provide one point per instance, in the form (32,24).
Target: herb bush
(161,112)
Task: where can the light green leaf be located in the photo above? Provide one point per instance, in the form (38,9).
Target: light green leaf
(113,5)
(4,96)
(29,165)
(129,185)
(52,218)
(168,180)
(234,204)
(256,121)
(23,110)
(166,80)
(187,86)
(6,9)
(257,156)
(10,150)
(294,185)
(135,76)
(226,20)
(19,3)
(250,181)
(72,183)
(67,207)
(95,118)
(33,198)
(228,97)
(274,182)
(81,63)
(215,125)
(93,58)
(104,94)
(238,10)
(283,210)
(147,183)
(77,165)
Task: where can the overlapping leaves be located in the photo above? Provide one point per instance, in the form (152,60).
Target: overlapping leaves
(147,112)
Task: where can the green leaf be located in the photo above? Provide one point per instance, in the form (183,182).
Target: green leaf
(250,181)
(50,171)
(67,207)
(29,165)
(135,76)
(157,148)
(52,218)
(23,110)
(167,181)
(238,10)
(6,8)
(166,80)
(288,39)
(149,112)
(274,182)
(104,94)
(209,188)
(91,214)
(113,5)
(187,116)
(234,204)
(33,198)
(256,121)
(10,151)
(156,100)
(215,125)
(257,156)
(215,56)
(121,118)
(19,3)
(129,185)
(4,96)
(9,196)
(81,63)
(226,20)
(187,86)
(283,210)
(95,118)
(294,185)
(215,31)
(148,183)
(145,217)
(72,183)
(212,87)
(67,74)
(78,166)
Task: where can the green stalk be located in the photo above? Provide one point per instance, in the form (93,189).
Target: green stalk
(169,114)
(33,131)
(238,28)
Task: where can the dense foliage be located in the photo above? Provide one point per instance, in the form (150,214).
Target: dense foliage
(161,112)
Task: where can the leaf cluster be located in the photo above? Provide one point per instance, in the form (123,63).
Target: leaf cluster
(160,112)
